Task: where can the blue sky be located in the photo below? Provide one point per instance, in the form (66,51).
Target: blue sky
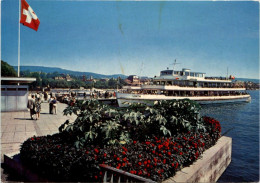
(136,37)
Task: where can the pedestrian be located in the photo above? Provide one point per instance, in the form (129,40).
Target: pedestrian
(38,107)
(54,103)
(45,96)
(50,105)
(31,106)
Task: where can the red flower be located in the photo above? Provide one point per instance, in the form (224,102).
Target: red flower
(32,139)
(164,161)
(134,142)
(123,153)
(105,155)
(169,153)
(147,143)
(124,159)
(124,149)
(118,159)
(100,173)
(87,152)
(172,164)
(139,163)
(181,153)
(139,155)
(153,152)
(149,161)
(177,164)
(96,177)
(96,150)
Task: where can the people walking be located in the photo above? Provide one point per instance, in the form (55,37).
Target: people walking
(54,103)
(31,106)
(38,107)
(50,106)
(45,96)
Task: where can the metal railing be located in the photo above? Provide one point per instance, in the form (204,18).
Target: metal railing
(111,174)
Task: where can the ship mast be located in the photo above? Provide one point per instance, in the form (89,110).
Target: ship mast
(174,63)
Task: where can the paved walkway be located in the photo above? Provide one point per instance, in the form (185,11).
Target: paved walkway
(16,127)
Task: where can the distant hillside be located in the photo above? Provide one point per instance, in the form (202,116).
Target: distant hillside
(65,71)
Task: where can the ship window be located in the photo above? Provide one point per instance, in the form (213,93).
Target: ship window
(191,74)
(186,73)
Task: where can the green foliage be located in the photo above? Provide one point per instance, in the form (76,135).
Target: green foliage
(97,123)
(7,70)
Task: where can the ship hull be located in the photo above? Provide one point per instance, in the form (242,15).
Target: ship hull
(125,99)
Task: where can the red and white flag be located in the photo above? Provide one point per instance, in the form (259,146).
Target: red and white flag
(28,17)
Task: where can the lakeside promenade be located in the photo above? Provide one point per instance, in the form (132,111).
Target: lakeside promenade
(16,127)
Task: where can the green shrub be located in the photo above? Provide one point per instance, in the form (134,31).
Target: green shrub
(96,122)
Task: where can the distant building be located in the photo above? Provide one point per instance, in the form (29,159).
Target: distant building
(87,81)
(132,80)
(59,78)
(84,78)
(104,79)
(68,78)
(63,77)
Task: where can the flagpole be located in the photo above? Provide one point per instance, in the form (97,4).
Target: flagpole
(19,38)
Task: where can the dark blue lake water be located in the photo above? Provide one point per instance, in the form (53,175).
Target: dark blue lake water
(243,119)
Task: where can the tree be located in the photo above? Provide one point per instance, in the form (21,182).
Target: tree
(112,83)
(7,70)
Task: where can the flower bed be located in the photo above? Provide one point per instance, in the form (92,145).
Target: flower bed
(156,156)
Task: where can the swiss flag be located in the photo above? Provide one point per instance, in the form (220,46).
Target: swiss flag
(28,17)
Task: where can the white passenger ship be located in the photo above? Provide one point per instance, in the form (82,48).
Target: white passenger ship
(183,84)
